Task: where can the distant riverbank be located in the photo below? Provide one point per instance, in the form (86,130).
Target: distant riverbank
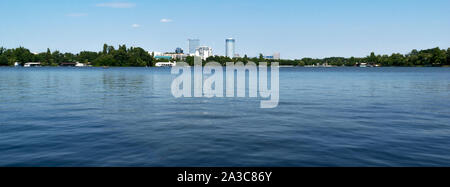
(138,57)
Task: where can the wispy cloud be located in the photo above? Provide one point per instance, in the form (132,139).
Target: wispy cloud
(116,5)
(77,15)
(165,20)
(135,25)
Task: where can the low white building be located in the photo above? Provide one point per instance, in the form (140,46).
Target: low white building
(204,52)
(155,53)
(176,56)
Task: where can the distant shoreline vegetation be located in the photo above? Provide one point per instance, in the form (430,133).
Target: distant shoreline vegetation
(138,57)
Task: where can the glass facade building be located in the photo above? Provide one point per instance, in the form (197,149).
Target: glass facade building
(193,45)
(179,50)
(230,47)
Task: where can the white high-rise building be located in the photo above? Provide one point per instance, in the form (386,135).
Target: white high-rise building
(230,47)
(204,52)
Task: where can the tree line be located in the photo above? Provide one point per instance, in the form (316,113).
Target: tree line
(109,56)
(138,57)
(426,58)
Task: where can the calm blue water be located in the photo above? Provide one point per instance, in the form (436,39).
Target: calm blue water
(128,117)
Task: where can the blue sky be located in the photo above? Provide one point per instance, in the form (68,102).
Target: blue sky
(295,28)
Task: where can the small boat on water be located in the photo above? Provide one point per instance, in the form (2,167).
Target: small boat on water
(166,64)
(32,64)
(366,65)
(318,65)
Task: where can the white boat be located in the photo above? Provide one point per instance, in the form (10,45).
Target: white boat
(165,64)
(80,65)
(32,64)
(318,65)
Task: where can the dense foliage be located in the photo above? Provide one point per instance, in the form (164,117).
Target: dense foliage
(123,56)
(138,57)
(429,57)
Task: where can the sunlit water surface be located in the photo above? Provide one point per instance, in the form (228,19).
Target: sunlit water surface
(128,117)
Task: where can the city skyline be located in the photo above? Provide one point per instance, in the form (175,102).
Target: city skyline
(296,29)
(195,48)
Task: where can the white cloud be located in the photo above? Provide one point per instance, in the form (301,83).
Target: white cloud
(135,25)
(165,20)
(77,15)
(116,5)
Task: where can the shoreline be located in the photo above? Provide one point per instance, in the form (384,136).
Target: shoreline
(284,67)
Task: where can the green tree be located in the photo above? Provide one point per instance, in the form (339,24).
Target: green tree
(110,49)
(301,63)
(396,59)
(351,62)
(69,57)
(105,60)
(139,57)
(384,60)
(4,60)
(439,57)
(448,56)
(41,57)
(425,59)
(105,49)
(245,59)
(121,56)
(22,55)
(57,58)
(47,58)
(190,60)
(372,59)
(87,56)
(2,50)
(413,58)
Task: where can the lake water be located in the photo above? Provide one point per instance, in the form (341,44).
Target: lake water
(128,117)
